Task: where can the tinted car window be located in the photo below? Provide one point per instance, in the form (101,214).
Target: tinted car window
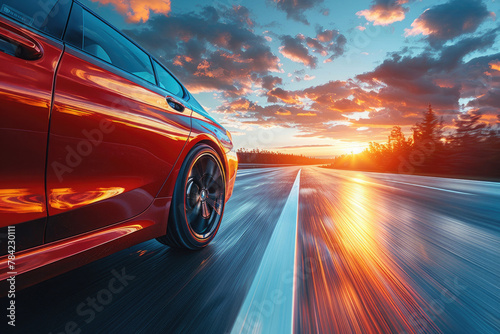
(49,16)
(74,31)
(95,37)
(167,81)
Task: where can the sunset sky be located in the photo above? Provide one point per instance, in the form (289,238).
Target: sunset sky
(322,77)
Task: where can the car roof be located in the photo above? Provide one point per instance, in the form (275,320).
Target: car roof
(187,95)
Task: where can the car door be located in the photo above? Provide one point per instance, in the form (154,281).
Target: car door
(30,50)
(114,137)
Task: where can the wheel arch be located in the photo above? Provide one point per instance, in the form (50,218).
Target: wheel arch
(219,152)
(169,185)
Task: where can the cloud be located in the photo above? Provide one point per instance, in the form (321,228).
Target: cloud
(449,20)
(283,95)
(326,36)
(241,104)
(138,10)
(327,43)
(213,50)
(293,49)
(394,93)
(318,117)
(406,84)
(452,55)
(269,82)
(495,65)
(488,103)
(480,83)
(385,12)
(295,9)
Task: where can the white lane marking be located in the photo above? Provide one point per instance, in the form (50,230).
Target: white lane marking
(429,187)
(269,304)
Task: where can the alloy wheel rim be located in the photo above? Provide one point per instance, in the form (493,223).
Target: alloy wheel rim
(204,196)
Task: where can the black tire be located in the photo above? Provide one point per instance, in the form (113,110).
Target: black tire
(198,201)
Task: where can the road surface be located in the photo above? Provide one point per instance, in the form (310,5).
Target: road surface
(323,251)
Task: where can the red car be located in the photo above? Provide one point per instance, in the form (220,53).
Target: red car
(101,147)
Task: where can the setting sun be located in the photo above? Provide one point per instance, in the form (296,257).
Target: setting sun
(356,149)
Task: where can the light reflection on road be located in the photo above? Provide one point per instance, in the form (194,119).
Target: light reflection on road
(364,260)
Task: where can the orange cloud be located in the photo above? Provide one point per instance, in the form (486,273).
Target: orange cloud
(237,58)
(283,113)
(177,61)
(449,20)
(240,104)
(297,57)
(419,26)
(283,95)
(495,65)
(138,10)
(444,83)
(204,69)
(383,14)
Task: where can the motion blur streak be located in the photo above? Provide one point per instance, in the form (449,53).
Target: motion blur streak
(376,257)
(373,255)
(354,285)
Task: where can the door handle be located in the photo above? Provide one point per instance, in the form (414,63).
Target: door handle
(175,104)
(26,47)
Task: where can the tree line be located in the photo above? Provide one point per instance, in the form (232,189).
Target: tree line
(258,156)
(470,149)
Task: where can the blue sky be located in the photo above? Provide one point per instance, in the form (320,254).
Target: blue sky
(259,66)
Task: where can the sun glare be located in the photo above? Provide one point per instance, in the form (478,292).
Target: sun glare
(355,149)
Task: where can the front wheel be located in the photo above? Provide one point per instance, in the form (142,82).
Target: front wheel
(198,200)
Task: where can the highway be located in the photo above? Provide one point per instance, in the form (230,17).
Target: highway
(320,251)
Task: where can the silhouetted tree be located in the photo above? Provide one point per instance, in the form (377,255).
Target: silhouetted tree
(469,130)
(427,135)
(473,145)
(429,129)
(471,149)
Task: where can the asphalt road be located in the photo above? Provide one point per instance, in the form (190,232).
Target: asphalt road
(325,251)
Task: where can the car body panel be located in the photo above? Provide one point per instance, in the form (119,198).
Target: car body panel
(25,95)
(52,259)
(101,113)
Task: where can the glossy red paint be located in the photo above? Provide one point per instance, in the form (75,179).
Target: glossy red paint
(41,263)
(113,141)
(93,158)
(25,99)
